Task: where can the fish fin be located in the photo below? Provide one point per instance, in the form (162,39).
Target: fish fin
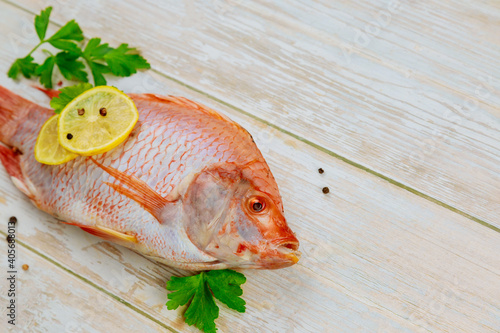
(180,190)
(14,111)
(184,102)
(106,233)
(187,103)
(148,202)
(110,234)
(51,93)
(137,190)
(10,160)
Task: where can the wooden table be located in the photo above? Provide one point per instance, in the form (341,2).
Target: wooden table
(398,101)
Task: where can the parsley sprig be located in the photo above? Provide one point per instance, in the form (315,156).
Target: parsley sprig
(67,94)
(200,290)
(73,61)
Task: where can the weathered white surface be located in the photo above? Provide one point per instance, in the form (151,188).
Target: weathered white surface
(414,97)
(50,299)
(375,257)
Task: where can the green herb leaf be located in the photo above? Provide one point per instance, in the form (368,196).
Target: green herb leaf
(97,72)
(66,46)
(24,65)
(70,67)
(202,311)
(124,61)
(14,69)
(96,50)
(67,95)
(100,57)
(70,31)
(94,55)
(185,286)
(226,288)
(45,72)
(42,22)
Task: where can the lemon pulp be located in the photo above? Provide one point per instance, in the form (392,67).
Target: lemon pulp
(96,121)
(47,147)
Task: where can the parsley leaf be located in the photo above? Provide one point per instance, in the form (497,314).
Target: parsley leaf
(70,31)
(66,46)
(124,61)
(67,95)
(45,72)
(24,65)
(202,311)
(42,22)
(226,288)
(63,38)
(200,290)
(97,71)
(70,67)
(100,57)
(94,55)
(96,50)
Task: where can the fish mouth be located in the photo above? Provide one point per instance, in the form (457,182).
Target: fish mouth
(288,245)
(294,257)
(289,250)
(284,255)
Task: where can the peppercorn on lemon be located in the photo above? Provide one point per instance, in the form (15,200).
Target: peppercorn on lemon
(96,121)
(47,147)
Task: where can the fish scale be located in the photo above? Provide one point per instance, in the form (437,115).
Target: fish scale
(185,156)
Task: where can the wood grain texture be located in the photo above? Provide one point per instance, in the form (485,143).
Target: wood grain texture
(415,98)
(376,258)
(49,299)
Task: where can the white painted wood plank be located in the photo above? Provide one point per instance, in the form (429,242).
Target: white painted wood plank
(375,257)
(387,103)
(49,299)
(446,43)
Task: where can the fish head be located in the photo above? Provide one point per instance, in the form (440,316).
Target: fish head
(256,232)
(240,221)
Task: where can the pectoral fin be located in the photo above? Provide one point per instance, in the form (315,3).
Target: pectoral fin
(106,233)
(136,190)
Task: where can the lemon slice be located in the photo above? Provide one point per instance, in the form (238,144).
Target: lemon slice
(47,147)
(97,121)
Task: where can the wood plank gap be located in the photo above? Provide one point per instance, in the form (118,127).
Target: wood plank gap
(117,298)
(304,140)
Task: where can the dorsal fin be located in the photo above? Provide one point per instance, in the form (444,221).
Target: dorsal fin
(136,190)
(51,93)
(183,101)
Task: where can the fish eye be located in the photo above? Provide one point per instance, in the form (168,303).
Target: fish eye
(257,204)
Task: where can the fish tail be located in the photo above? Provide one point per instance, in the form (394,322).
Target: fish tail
(18,114)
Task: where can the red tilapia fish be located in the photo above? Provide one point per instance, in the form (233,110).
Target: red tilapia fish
(188,187)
